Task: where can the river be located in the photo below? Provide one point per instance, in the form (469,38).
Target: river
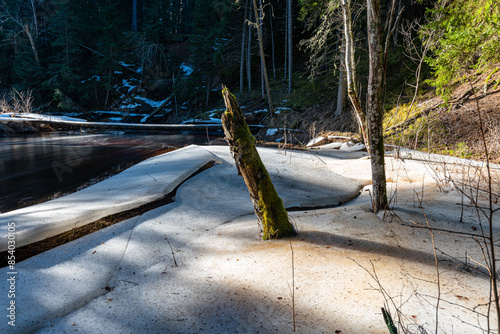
(36,167)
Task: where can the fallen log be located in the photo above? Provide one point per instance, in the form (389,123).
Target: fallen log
(268,206)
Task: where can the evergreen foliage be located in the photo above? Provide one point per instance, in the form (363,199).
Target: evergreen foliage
(466,37)
(79,47)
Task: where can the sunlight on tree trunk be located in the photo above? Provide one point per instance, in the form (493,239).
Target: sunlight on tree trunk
(350,68)
(268,206)
(341,92)
(374,110)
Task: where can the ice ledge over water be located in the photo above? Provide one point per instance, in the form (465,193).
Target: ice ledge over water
(141,184)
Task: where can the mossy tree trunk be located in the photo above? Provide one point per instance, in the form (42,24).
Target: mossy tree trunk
(267,204)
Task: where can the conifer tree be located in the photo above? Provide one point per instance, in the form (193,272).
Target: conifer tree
(68,62)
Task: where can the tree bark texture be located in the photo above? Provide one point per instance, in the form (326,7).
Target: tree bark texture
(341,92)
(374,110)
(262,56)
(290,45)
(268,206)
(350,68)
(272,40)
(134,15)
(243,47)
(249,52)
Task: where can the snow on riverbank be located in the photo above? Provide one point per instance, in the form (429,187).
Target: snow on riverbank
(39,117)
(218,277)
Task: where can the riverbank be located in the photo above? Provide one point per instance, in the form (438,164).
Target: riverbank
(39,167)
(23,125)
(16,128)
(198,265)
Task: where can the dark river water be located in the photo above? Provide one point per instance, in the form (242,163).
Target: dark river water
(38,166)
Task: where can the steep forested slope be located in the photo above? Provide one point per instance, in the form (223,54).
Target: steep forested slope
(134,57)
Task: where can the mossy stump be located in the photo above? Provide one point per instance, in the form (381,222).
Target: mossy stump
(267,204)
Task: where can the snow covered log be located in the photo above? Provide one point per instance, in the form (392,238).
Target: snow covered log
(267,204)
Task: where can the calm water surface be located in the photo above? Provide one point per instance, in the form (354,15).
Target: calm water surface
(37,166)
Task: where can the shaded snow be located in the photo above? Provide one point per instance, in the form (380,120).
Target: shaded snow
(34,116)
(224,279)
(96,77)
(128,84)
(280,109)
(152,103)
(187,69)
(271,132)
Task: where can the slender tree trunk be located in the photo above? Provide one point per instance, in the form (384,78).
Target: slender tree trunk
(396,31)
(290,45)
(351,71)
(374,110)
(342,90)
(208,90)
(134,15)
(32,43)
(249,53)
(262,84)
(243,45)
(286,43)
(272,40)
(268,206)
(35,21)
(261,47)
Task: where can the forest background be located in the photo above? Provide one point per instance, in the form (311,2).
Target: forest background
(90,55)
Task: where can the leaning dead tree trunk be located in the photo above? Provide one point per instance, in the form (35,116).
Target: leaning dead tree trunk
(267,204)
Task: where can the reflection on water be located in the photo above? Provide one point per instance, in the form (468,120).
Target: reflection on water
(34,167)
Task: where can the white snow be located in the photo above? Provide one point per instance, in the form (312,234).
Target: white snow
(187,69)
(124,64)
(128,84)
(271,132)
(198,265)
(214,113)
(333,146)
(280,109)
(96,77)
(202,121)
(130,106)
(351,146)
(152,103)
(115,113)
(135,186)
(34,116)
(314,141)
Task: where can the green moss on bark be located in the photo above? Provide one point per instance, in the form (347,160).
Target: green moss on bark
(267,204)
